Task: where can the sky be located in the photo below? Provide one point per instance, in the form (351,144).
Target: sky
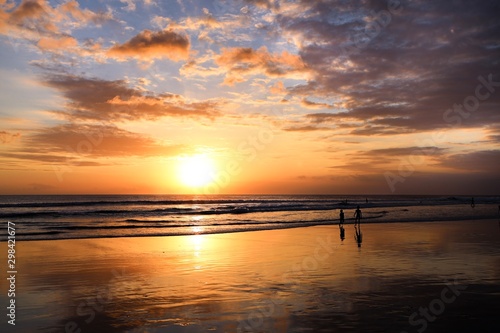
(249,97)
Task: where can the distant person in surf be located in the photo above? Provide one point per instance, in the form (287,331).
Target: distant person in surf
(472,203)
(357,216)
(358,236)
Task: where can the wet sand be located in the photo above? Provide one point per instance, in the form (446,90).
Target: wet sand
(411,277)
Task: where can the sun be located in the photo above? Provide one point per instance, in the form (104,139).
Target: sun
(196,170)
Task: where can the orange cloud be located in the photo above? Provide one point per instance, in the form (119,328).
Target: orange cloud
(247,61)
(83,16)
(65,42)
(47,27)
(150,45)
(3,21)
(267,4)
(96,141)
(82,145)
(278,88)
(28,9)
(33,15)
(314,105)
(115,101)
(153,107)
(6,137)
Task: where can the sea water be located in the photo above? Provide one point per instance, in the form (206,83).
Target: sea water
(96,216)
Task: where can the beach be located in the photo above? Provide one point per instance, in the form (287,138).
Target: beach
(405,277)
(249,166)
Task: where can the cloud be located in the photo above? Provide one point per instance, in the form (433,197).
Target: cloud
(267,4)
(315,105)
(241,61)
(6,137)
(471,183)
(494,133)
(378,161)
(82,17)
(278,88)
(406,151)
(165,105)
(153,45)
(478,161)
(306,128)
(32,15)
(461,173)
(198,68)
(97,99)
(130,5)
(27,10)
(41,19)
(64,43)
(32,156)
(37,23)
(80,144)
(97,141)
(405,74)
(3,21)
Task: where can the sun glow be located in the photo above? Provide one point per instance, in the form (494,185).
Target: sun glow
(196,170)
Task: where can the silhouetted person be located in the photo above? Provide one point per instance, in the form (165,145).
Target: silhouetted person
(357,216)
(472,203)
(341,225)
(358,236)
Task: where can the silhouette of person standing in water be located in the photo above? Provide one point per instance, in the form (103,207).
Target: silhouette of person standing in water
(341,225)
(472,203)
(357,216)
(358,236)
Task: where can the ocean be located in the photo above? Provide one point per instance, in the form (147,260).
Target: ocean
(49,217)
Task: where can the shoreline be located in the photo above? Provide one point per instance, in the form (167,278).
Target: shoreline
(222,232)
(277,280)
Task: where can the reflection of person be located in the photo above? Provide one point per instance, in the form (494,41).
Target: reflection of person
(358,236)
(341,225)
(357,216)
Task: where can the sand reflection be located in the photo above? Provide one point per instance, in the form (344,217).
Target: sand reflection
(267,281)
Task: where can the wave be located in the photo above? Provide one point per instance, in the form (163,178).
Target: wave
(64,217)
(145,202)
(180,229)
(339,201)
(150,208)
